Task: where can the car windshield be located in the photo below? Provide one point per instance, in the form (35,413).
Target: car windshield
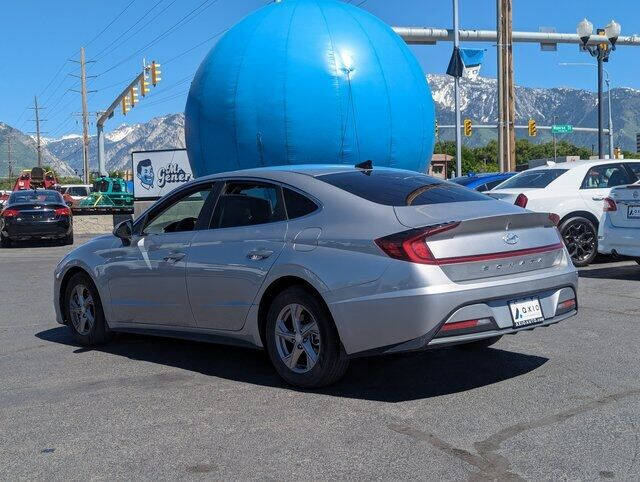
(40,197)
(400,188)
(535,179)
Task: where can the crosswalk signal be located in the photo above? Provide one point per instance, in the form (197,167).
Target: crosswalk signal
(144,85)
(126,107)
(467,127)
(532,128)
(155,73)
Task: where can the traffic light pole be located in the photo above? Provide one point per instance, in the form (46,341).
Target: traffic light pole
(456,44)
(108,114)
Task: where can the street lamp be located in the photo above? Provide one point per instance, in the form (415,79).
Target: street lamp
(601,52)
(608,81)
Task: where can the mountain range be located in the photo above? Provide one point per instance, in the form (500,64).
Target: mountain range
(478,101)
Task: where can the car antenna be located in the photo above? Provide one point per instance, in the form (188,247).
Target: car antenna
(366,165)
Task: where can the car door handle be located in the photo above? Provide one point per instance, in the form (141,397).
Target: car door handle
(598,198)
(258,254)
(174,257)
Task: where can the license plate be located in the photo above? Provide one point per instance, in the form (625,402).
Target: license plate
(526,312)
(633,212)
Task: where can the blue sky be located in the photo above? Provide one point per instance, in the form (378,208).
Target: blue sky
(39,36)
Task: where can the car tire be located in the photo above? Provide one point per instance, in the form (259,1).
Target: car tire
(5,242)
(67,240)
(81,298)
(479,344)
(316,355)
(580,236)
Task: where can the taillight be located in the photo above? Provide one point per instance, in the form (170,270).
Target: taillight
(554,218)
(10,213)
(62,212)
(521,201)
(609,205)
(412,245)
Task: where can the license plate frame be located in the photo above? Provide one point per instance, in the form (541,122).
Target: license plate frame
(526,311)
(633,211)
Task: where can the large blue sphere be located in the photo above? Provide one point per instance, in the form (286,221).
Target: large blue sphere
(309,81)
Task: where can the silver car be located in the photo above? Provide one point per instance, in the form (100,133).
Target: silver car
(319,264)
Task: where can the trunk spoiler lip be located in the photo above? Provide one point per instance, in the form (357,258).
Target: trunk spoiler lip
(500,254)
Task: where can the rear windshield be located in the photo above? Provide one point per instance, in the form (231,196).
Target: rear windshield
(40,197)
(401,188)
(532,179)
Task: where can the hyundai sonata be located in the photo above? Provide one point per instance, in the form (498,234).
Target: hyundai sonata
(320,264)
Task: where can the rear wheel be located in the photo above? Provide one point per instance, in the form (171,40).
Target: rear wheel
(67,240)
(484,343)
(302,341)
(83,311)
(580,237)
(5,242)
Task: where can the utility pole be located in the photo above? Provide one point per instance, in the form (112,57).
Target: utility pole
(37,120)
(506,91)
(85,118)
(555,142)
(9,159)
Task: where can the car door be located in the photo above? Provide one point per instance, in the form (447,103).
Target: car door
(598,182)
(229,261)
(147,278)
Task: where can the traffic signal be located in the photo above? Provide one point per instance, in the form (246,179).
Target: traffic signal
(532,128)
(155,73)
(144,85)
(133,96)
(467,127)
(617,153)
(437,129)
(126,107)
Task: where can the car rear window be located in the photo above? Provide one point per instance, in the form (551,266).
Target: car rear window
(400,188)
(537,179)
(40,197)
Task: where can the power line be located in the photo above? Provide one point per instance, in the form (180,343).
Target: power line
(110,23)
(195,46)
(99,55)
(192,13)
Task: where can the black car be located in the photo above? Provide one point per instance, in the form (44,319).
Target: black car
(35,214)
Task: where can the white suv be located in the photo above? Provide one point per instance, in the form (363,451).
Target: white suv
(575,192)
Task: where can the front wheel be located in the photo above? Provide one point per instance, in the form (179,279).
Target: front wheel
(302,341)
(580,237)
(83,311)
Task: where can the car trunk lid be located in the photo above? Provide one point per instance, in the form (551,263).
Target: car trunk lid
(627,200)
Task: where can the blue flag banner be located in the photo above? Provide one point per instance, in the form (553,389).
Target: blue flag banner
(472,60)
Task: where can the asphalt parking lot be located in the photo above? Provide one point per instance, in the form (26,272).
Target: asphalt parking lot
(558,402)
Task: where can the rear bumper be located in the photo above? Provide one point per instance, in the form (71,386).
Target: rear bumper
(407,320)
(616,240)
(39,230)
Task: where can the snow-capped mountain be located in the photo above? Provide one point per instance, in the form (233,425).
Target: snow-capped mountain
(478,100)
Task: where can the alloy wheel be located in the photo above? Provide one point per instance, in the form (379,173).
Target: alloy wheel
(580,240)
(82,309)
(297,338)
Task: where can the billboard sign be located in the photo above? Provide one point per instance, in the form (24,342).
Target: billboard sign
(156,173)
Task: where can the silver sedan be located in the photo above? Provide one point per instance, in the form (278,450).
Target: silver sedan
(319,264)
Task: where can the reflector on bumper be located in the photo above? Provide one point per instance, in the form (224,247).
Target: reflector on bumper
(467,326)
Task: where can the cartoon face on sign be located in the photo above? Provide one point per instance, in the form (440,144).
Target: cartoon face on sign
(144,171)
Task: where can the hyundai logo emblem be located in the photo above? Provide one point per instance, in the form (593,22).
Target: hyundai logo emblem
(511,238)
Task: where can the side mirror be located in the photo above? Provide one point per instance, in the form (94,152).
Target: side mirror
(123,231)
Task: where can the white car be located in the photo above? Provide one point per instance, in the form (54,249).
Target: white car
(575,192)
(619,231)
(77,191)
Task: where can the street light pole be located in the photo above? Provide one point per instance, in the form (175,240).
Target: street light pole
(601,52)
(608,82)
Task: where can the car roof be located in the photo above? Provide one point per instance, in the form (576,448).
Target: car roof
(312,170)
(582,163)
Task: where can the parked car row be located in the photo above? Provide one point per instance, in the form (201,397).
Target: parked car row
(584,196)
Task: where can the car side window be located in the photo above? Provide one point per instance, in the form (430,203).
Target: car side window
(247,203)
(482,187)
(297,204)
(181,215)
(634,167)
(491,184)
(606,176)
